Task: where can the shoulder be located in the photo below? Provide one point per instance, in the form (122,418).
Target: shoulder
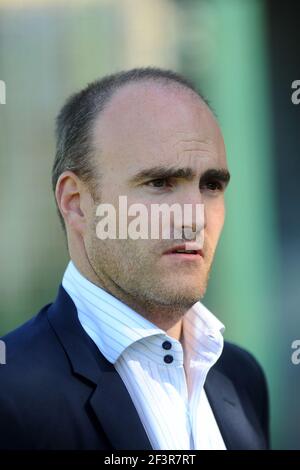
(34,361)
(33,358)
(29,345)
(249,380)
(241,367)
(36,385)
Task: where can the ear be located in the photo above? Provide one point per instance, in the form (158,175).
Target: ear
(70,193)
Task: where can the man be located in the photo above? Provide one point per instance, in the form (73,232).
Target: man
(127,357)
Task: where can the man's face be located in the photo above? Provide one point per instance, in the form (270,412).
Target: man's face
(146,131)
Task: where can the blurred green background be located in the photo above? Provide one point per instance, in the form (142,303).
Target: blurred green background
(243,55)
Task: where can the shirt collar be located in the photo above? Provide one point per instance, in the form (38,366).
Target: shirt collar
(115,327)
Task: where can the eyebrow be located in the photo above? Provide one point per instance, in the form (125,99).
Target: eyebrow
(160,172)
(220,174)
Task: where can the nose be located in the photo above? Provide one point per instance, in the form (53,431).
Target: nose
(192,224)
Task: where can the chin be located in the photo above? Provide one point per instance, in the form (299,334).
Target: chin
(185,295)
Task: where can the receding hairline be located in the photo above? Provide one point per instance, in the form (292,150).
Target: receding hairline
(156,83)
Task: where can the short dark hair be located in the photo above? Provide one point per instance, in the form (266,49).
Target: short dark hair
(74,123)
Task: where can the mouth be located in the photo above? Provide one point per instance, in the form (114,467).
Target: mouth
(186,251)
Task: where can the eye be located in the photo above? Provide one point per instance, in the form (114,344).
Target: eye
(213,185)
(158,183)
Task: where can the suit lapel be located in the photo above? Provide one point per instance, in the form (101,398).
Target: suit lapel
(110,401)
(236,429)
(112,405)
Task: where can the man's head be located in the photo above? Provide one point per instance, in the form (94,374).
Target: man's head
(148,135)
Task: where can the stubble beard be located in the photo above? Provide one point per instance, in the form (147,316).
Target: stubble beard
(133,280)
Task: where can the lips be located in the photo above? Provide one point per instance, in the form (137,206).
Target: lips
(189,248)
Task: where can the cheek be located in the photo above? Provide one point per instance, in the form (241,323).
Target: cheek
(214,216)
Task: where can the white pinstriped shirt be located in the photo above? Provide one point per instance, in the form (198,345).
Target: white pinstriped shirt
(164,377)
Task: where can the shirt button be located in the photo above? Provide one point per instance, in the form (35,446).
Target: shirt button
(167,345)
(168,359)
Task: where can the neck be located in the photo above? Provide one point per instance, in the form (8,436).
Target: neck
(167,318)
(176,330)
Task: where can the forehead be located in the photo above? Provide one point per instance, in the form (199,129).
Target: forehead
(155,123)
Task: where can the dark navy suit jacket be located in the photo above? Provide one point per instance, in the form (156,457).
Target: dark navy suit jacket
(57,391)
